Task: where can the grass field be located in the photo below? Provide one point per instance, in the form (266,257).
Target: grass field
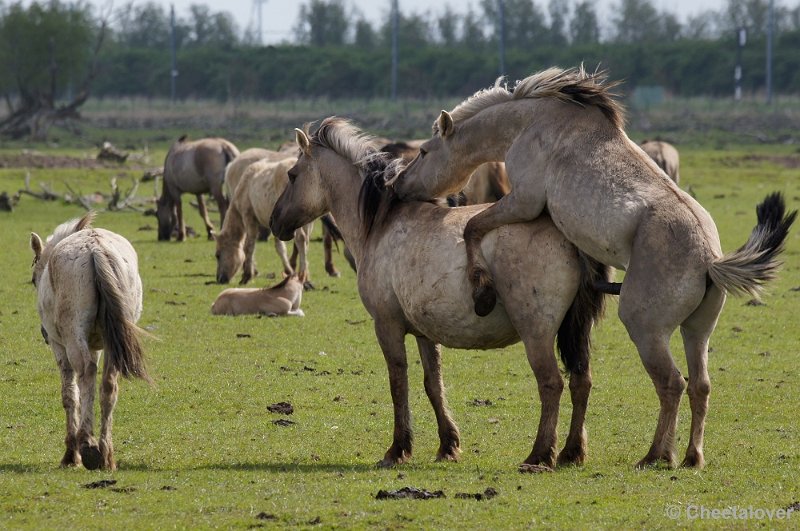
(201,450)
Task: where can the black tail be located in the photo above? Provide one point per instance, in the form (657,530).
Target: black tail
(332,228)
(574,334)
(755,263)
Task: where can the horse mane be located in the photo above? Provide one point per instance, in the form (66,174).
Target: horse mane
(70,227)
(375,200)
(573,85)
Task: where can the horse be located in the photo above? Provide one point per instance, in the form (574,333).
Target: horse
(561,134)
(487,184)
(233,174)
(282,299)
(89,299)
(411,279)
(665,155)
(251,206)
(195,167)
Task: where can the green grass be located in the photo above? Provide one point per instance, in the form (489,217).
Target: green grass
(199,449)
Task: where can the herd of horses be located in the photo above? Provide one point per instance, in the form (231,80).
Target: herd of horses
(556,196)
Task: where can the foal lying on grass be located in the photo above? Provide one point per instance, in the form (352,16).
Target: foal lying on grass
(281,299)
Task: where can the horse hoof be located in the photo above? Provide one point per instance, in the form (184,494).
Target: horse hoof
(485,298)
(694,461)
(308,286)
(526,468)
(91,456)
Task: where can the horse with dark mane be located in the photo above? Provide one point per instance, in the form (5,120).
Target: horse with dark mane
(412,280)
(560,133)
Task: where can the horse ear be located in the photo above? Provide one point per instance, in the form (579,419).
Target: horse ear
(445,124)
(302,140)
(36,246)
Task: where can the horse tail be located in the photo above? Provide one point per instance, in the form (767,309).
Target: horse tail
(574,334)
(121,343)
(746,270)
(333,229)
(229,151)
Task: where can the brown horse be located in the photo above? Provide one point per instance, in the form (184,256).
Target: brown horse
(195,167)
(89,299)
(665,155)
(282,299)
(560,133)
(412,280)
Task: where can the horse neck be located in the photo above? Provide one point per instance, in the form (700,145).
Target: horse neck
(342,185)
(502,123)
(233,229)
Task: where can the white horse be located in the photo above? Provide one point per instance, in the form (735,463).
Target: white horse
(89,299)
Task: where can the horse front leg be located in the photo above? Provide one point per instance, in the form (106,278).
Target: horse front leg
(109,391)
(391,340)
(179,216)
(280,248)
(327,245)
(70,399)
(507,210)
(449,437)
(249,270)
(541,358)
(201,206)
(574,452)
(301,238)
(222,203)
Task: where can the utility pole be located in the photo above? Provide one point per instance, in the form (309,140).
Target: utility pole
(395,30)
(741,39)
(770,31)
(174,70)
(256,10)
(501,34)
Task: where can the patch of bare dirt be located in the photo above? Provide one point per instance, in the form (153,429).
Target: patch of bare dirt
(412,493)
(101,484)
(284,408)
(488,494)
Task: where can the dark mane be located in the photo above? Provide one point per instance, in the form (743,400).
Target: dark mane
(375,200)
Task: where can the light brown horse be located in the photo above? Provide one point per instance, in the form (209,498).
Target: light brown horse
(560,133)
(666,157)
(412,280)
(258,189)
(89,299)
(282,299)
(235,170)
(195,167)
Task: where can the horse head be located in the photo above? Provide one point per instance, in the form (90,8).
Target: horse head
(435,171)
(165,212)
(230,257)
(302,200)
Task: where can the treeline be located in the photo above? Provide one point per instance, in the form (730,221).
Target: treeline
(333,51)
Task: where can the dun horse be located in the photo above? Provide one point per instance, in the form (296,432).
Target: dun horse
(259,187)
(412,280)
(89,299)
(666,157)
(281,299)
(198,168)
(560,133)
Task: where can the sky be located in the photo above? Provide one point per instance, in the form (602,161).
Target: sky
(280,16)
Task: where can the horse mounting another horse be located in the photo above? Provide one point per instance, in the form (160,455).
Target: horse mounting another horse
(561,135)
(89,299)
(282,299)
(412,280)
(195,167)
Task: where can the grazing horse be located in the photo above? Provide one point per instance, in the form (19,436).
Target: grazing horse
(89,299)
(195,167)
(561,134)
(258,189)
(412,280)
(665,155)
(282,299)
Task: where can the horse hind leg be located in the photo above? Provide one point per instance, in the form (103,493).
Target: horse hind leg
(109,391)
(696,331)
(201,206)
(449,437)
(574,452)
(70,399)
(89,449)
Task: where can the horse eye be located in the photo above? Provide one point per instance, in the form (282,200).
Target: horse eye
(422,152)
